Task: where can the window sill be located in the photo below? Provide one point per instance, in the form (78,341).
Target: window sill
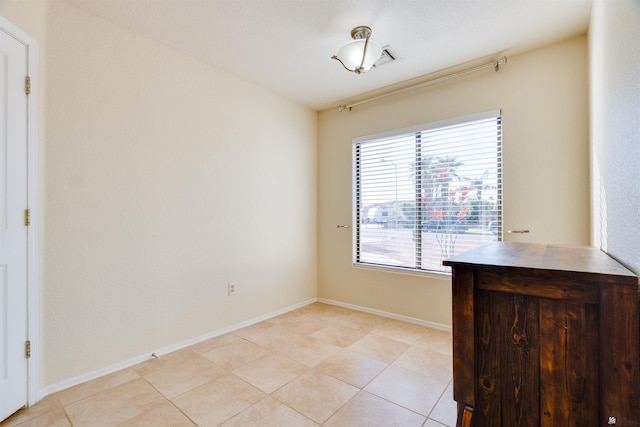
(406,271)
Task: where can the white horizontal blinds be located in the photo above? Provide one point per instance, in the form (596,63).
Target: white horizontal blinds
(387,200)
(461,194)
(425,195)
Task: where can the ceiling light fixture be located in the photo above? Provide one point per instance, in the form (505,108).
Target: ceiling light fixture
(359,55)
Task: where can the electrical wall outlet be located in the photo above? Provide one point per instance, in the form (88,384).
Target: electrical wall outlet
(231,289)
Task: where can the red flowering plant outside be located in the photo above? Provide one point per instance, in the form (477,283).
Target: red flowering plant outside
(445,209)
(454,205)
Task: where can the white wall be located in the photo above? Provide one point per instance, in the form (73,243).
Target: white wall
(165,179)
(543,96)
(615,125)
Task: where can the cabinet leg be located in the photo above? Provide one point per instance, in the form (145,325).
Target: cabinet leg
(464,415)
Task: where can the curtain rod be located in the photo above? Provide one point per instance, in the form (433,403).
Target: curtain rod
(495,65)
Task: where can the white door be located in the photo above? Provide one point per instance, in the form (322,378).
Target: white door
(13,230)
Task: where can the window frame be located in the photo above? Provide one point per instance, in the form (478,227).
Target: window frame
(418,129)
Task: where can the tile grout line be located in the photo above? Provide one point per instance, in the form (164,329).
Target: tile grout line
(439,398)
(167,400)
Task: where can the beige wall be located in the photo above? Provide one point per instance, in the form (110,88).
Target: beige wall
(165,179)
(543,96)
(614,50)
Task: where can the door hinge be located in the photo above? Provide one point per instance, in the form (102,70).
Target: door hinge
(27,85)
(27,217)
(27,349)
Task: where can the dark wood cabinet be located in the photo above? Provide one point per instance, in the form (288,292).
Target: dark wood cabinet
(545,335)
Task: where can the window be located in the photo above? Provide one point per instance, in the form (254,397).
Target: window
(427,193)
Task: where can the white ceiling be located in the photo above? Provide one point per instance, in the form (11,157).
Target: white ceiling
(286,45)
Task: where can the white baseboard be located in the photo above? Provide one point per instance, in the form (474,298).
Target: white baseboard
(387,314)
(53,388)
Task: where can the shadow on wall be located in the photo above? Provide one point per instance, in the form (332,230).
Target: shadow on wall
(599,208)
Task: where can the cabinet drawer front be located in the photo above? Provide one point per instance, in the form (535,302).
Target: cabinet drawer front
(538,284)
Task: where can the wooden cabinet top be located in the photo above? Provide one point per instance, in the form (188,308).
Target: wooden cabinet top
(570,261)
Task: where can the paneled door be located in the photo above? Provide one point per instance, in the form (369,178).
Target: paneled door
(13,225)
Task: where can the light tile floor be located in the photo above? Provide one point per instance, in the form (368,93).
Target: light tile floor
(318,365)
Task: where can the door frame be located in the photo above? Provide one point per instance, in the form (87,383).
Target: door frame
(32,196)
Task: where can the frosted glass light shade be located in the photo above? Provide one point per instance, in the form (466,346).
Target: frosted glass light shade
(351,54)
